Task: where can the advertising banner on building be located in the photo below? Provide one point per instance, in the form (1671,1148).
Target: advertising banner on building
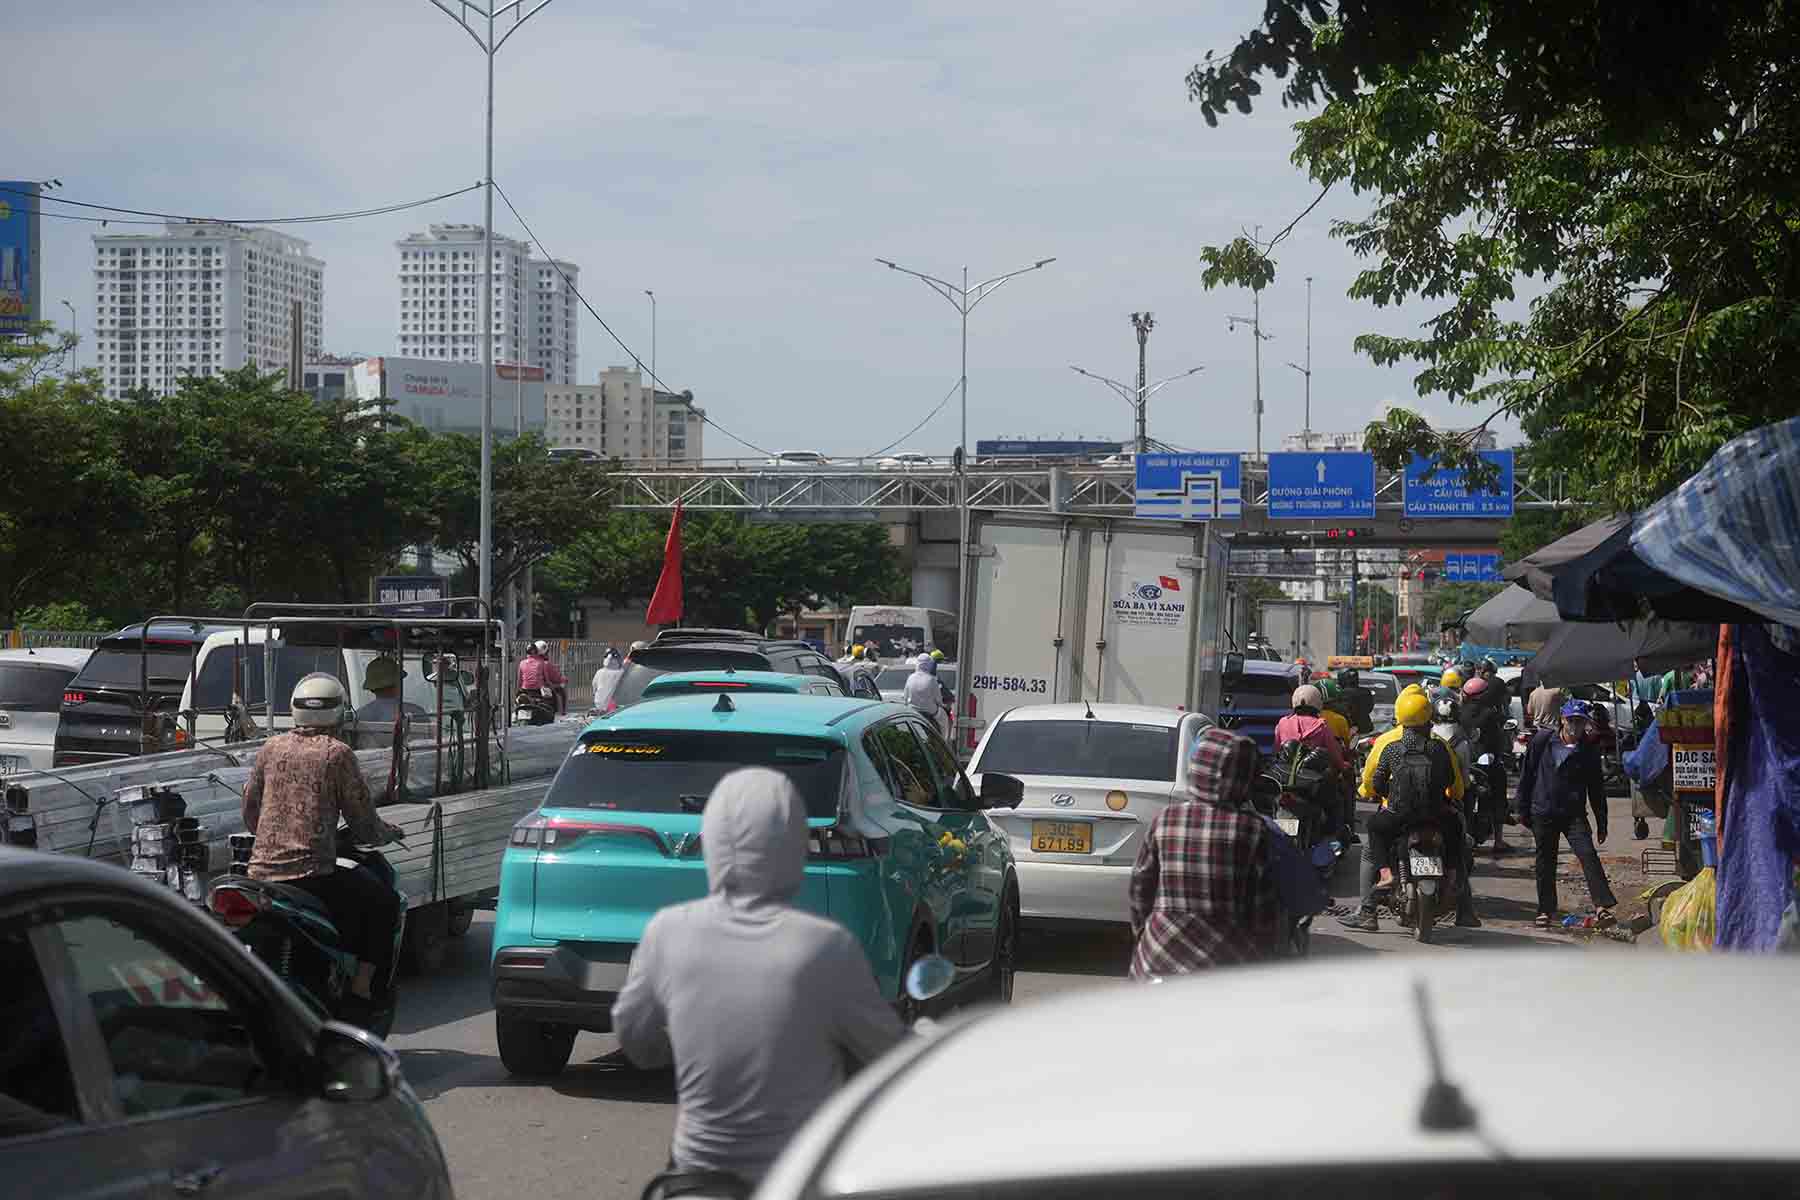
(20,306)
(445,397)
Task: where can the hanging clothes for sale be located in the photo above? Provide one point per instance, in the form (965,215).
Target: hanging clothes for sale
(1760,834)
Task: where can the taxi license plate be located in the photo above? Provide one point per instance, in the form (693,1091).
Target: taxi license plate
(1427,866)
(1062,837)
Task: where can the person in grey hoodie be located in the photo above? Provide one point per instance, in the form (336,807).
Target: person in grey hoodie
(757,1003)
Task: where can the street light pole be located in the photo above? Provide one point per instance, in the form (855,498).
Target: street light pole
(1143,323)
(74,347)
(653,374)
(1138,397)
(964,299)
(1307,369)
(1257,338)
(490,46)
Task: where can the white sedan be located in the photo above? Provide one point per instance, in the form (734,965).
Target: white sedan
(1158,1092)
(1095,776)
(906,460)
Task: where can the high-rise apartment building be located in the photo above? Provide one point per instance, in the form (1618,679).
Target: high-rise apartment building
(200,298)
(619,417)
(440,302)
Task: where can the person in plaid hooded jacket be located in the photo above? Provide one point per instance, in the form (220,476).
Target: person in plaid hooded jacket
(1202,891)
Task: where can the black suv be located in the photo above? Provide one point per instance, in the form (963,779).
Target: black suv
(103,707)
(716,650)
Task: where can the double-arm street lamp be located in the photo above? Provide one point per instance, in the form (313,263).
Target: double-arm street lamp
(963,299)
(481,30)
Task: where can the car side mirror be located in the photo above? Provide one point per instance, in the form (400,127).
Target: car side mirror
(1001,791)
(1234,664)
(355,1067)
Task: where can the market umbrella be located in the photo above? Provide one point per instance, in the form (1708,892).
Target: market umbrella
(1733,529)
(1512,617)
(1593,574)
(1586,652)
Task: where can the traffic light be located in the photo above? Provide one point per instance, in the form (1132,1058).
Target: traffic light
(1351,533)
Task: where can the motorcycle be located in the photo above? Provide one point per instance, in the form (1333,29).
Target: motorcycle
(291,931)
(1423,879)
(1294,790)
(534,708)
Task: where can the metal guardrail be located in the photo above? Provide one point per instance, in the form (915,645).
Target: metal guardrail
(20,639)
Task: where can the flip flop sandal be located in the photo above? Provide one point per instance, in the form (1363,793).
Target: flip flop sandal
(1605,919)
(1543,921)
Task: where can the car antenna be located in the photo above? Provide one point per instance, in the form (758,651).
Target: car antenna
(724,704)
(1089,707)
(1444,1110)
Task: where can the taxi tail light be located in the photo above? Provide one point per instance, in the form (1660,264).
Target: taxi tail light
(561,833)
(74,697)
(833,845)
(235,906)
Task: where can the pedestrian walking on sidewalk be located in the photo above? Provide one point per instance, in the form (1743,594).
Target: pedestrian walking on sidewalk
(1559,779)
(1203,891)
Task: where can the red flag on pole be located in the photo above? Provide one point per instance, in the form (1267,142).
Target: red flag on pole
(1368,627)
(665,605)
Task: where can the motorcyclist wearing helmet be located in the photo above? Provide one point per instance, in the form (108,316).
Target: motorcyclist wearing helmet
(925,693)
(760,1006)
(1452,679)
(301,783)
(1484,707)
(536,671)
(1306,725)
(1414,775)
(1367,789)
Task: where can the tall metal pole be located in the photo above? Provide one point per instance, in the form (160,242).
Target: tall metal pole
(1143,323)
(490,46)
(1307,369)
(653,375)
(487,340)
(963,299)
(1257,338)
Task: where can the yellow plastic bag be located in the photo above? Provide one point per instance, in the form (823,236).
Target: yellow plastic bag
(1687,918)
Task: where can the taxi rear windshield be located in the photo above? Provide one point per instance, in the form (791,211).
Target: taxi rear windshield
(1085,749)
(675,772)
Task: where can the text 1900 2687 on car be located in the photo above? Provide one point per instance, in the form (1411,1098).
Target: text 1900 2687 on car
(142,1052)
(903,852)
(1094,778)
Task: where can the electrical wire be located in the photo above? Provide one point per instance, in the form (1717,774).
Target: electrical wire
(568,283)
(312,219)
(934,412)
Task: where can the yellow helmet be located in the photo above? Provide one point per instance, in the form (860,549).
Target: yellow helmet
(1452,678)
(937,656)
(1412,689)
(856,651)
(1412,709)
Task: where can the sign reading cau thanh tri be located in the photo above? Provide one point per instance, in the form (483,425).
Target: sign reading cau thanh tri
(1328,486)
(1190,487)
(1446,495)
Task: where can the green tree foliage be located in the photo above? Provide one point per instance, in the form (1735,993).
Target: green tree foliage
(1640,161)
(736,573)
(232,489)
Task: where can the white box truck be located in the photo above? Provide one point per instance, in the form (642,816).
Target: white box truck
(1301,628)
(1075,607)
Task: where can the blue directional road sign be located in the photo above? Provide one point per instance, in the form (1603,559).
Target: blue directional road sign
(1472,568)
(1190,487)
(1446,495)
(1330,486)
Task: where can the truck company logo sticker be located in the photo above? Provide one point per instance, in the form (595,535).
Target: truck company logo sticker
(1137,602)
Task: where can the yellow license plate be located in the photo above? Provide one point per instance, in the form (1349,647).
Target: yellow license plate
(1062,837)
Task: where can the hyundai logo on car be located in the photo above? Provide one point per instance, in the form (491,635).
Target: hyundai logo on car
(1063,800)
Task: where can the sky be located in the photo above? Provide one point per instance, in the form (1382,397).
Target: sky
(749,162)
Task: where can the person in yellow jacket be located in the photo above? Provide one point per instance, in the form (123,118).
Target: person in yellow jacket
(1367,788)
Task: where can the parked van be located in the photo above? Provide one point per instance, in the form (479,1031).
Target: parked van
(229,666)
(32,683)
(903,631)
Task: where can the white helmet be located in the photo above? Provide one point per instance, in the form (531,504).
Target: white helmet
(1308,696)
(318,701)
(542,647)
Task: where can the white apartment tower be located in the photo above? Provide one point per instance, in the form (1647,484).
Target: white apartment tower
(440,302)
(200,298)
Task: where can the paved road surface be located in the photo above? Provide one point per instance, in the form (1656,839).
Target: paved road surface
(601,1129)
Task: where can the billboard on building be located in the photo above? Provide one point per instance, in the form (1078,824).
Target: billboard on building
(445,397)
(20,306)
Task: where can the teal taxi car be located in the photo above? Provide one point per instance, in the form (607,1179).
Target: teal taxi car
(902,852)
